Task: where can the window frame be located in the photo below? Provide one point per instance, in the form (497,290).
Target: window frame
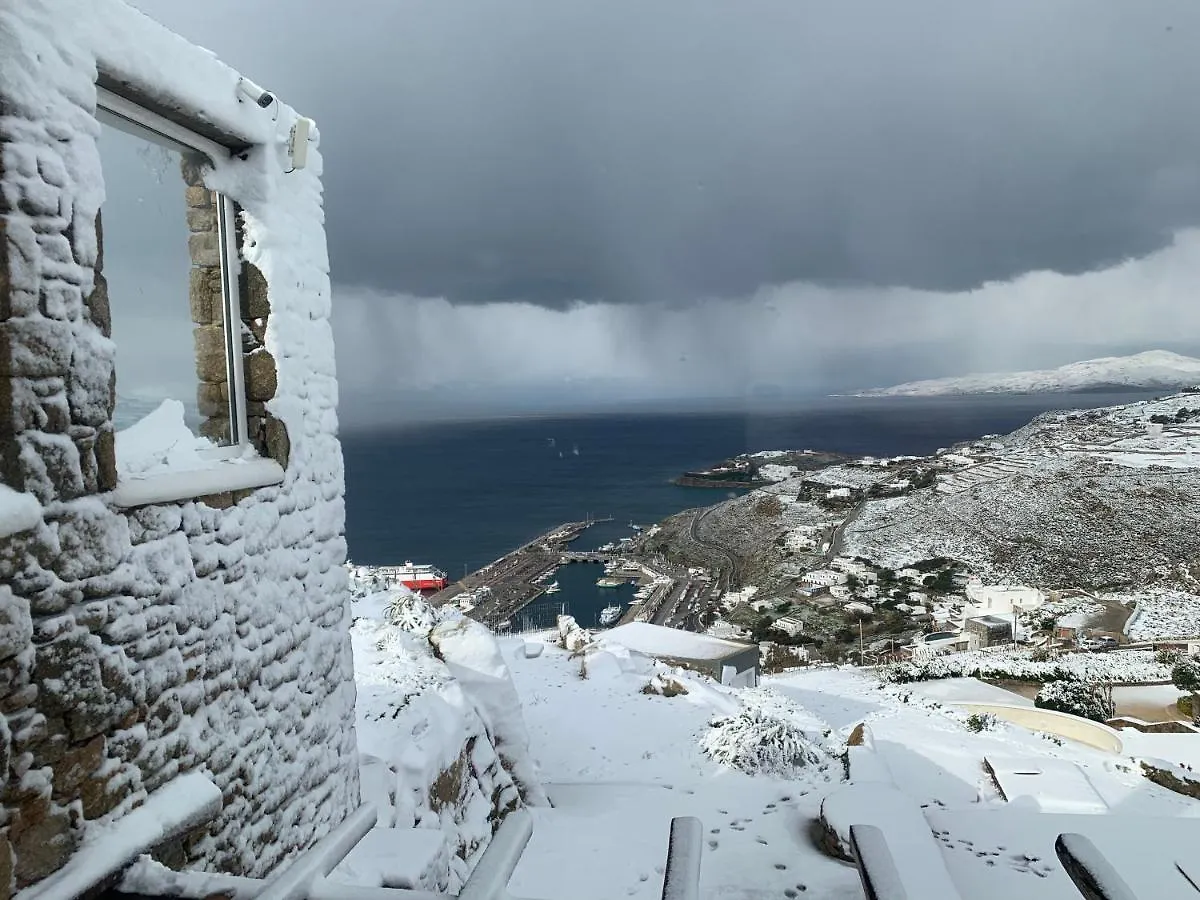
(119,112)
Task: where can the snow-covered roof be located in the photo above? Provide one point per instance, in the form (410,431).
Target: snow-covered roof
(656,640)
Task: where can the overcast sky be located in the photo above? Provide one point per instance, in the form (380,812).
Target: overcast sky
(693,198)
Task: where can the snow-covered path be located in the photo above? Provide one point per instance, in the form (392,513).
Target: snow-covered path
(620,765)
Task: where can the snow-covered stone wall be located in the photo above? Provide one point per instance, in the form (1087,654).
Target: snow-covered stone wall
(210,633)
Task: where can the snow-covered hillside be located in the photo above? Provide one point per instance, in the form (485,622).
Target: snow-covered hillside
(764,769)
(1153,370)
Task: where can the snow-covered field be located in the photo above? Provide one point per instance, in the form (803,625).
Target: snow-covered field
(755,765)
(1161,614)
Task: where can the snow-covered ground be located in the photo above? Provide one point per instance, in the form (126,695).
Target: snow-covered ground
(1162,613)
(618,763)
(1151,369)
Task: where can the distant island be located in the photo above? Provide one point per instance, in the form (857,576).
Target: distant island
(1151,370)
(752,470)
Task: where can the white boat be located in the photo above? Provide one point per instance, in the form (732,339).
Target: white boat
(610,614)
(553,588)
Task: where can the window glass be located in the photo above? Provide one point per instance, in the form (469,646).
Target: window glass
(163,268)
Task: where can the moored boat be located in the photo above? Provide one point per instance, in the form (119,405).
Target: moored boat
(416,577)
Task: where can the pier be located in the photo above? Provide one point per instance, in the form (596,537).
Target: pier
(504,587)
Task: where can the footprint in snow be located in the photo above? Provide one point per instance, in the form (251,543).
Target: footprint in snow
(723,812)
(715,831)
(780,866)
(643,876)
(763,841)
(713,845)
(789,893)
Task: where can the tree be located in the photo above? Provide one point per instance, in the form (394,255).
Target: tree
(1186,676)
(1089,701)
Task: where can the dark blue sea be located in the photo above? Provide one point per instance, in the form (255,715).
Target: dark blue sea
(461,494)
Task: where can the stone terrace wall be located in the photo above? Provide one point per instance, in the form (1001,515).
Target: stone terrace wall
(208,634)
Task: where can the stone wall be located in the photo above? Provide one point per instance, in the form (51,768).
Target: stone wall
(209,633)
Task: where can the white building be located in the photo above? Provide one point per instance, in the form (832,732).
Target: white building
(1002,599)
(939,644)
(910,574)
(824,577)
(838,493)
(859,609)
(767,603)
(789,625)
(841,591)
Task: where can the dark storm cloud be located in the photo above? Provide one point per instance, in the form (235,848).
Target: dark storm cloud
(559,150)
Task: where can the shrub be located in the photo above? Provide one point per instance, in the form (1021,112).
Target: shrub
(978,722)
(761,744)
(410,612)
(1168,657)
(1186,675)
(1089,701)
(1041,654)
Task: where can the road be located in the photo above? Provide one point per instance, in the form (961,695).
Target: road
(839,533)
(734,577)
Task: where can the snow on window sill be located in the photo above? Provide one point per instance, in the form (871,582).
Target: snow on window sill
(217,478)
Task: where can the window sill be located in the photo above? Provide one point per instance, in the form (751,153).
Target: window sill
(222,476)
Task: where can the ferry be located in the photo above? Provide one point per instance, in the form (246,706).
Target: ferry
(416,577)
(610,582)
(610,614)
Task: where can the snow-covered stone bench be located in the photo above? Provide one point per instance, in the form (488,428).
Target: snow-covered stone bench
(897,855)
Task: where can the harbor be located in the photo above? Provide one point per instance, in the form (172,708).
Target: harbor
(504,587)
(529,587)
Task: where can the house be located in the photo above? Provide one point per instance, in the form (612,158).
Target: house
(939,643)
(173,608)
(918,597)
(725,631)
(728,662)
(789,625)
(1003,599)
(824,577)
(767,603)
(858,609)
(838,493)
(840,591)
(910,574)
(989,631)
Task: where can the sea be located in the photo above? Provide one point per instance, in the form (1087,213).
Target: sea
(459,495)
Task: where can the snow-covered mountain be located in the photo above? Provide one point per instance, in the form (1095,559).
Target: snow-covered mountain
(1153,370)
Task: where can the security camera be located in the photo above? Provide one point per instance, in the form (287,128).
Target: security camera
(254,93)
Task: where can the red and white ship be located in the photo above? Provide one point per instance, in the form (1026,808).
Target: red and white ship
(416,578)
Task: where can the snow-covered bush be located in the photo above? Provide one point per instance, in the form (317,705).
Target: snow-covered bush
(410,612)
(1186,675)
(1168,657)
(978,722)
(767,736)
(1089,701)
(570,636)
(1125,667)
